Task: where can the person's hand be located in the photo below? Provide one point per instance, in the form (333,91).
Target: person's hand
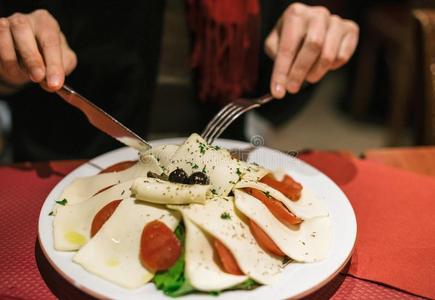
(33,48)
(306,43)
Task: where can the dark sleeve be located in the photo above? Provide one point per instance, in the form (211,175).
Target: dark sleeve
(277,112)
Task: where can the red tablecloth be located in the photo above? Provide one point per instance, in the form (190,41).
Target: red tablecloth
(26,274)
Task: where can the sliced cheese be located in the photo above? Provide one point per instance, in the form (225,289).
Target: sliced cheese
(114,252)
(85,187)
(164,192)
(219,219)
(202,271)
(251,171)
(307,242)
(196,155)
(72,223)
(306,207)
(163,154)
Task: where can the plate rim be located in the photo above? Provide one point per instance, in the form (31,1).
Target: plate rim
(100,164)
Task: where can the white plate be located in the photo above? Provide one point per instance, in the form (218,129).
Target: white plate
(297,279)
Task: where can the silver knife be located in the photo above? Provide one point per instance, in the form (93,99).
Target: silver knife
(102,120)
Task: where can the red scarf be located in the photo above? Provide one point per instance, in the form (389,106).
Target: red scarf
(226,47)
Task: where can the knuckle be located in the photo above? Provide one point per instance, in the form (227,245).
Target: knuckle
(47,19)
(298,73)
(71,63)
(322,11)
(4,24)
(286,50)
(32,61)
(42,13)
(336,19)
(326,60)
(18,20)
(295,9)
(315,42)
(353,27)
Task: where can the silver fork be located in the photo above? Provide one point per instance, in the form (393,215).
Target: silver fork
(229,113)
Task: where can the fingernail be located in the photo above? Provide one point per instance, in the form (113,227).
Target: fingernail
(279,89)
(293,86)
(53,80)
(36,74)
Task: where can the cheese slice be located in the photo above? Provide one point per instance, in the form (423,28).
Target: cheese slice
(164,192)
(251,171)
(72,223)
(219,219)
(85,187)
(306,207)
(163,154)
(114,252)
(196,155)
(307,242)
(202,271)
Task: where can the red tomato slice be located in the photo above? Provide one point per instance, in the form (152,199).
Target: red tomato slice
(226,258)
(264,240)
(289,187)
(159,247)
(118,167)
(103,215)
(276,207)
(103,189)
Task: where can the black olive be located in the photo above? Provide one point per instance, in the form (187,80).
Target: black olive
(178,176)
(198,178)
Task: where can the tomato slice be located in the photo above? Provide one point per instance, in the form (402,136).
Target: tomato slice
(159,246)
(264,240)
(226,258)
(275,207)
(103,189)
(288,186)
(103,215)
(118,167)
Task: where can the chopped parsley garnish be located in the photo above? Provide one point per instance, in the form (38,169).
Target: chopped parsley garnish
(267,194)
(225,216)
(202,148)
(204,170)
(232,182)
(217,148)
(195,166)
(213,191)
(238,172)
(62,202)
(51,213)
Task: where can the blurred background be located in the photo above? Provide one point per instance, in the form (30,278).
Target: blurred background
(384,97)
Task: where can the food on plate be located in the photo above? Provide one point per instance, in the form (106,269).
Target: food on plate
(190,218)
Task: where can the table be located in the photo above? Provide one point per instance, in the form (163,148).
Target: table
(26,274)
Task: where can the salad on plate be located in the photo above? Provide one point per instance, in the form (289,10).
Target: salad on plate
(190,218)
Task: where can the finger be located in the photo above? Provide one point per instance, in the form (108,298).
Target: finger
(47,34)
(292,34)
(271,44)
(8,57)
(69,58)
(331,47)
(347,49)
(308,54)
(27,47)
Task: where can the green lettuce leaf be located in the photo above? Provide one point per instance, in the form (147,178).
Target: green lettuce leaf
(173,282)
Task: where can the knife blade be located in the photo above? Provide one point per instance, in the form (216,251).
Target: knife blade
(102,120)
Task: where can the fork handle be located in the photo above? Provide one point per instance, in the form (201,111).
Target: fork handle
(264,99)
